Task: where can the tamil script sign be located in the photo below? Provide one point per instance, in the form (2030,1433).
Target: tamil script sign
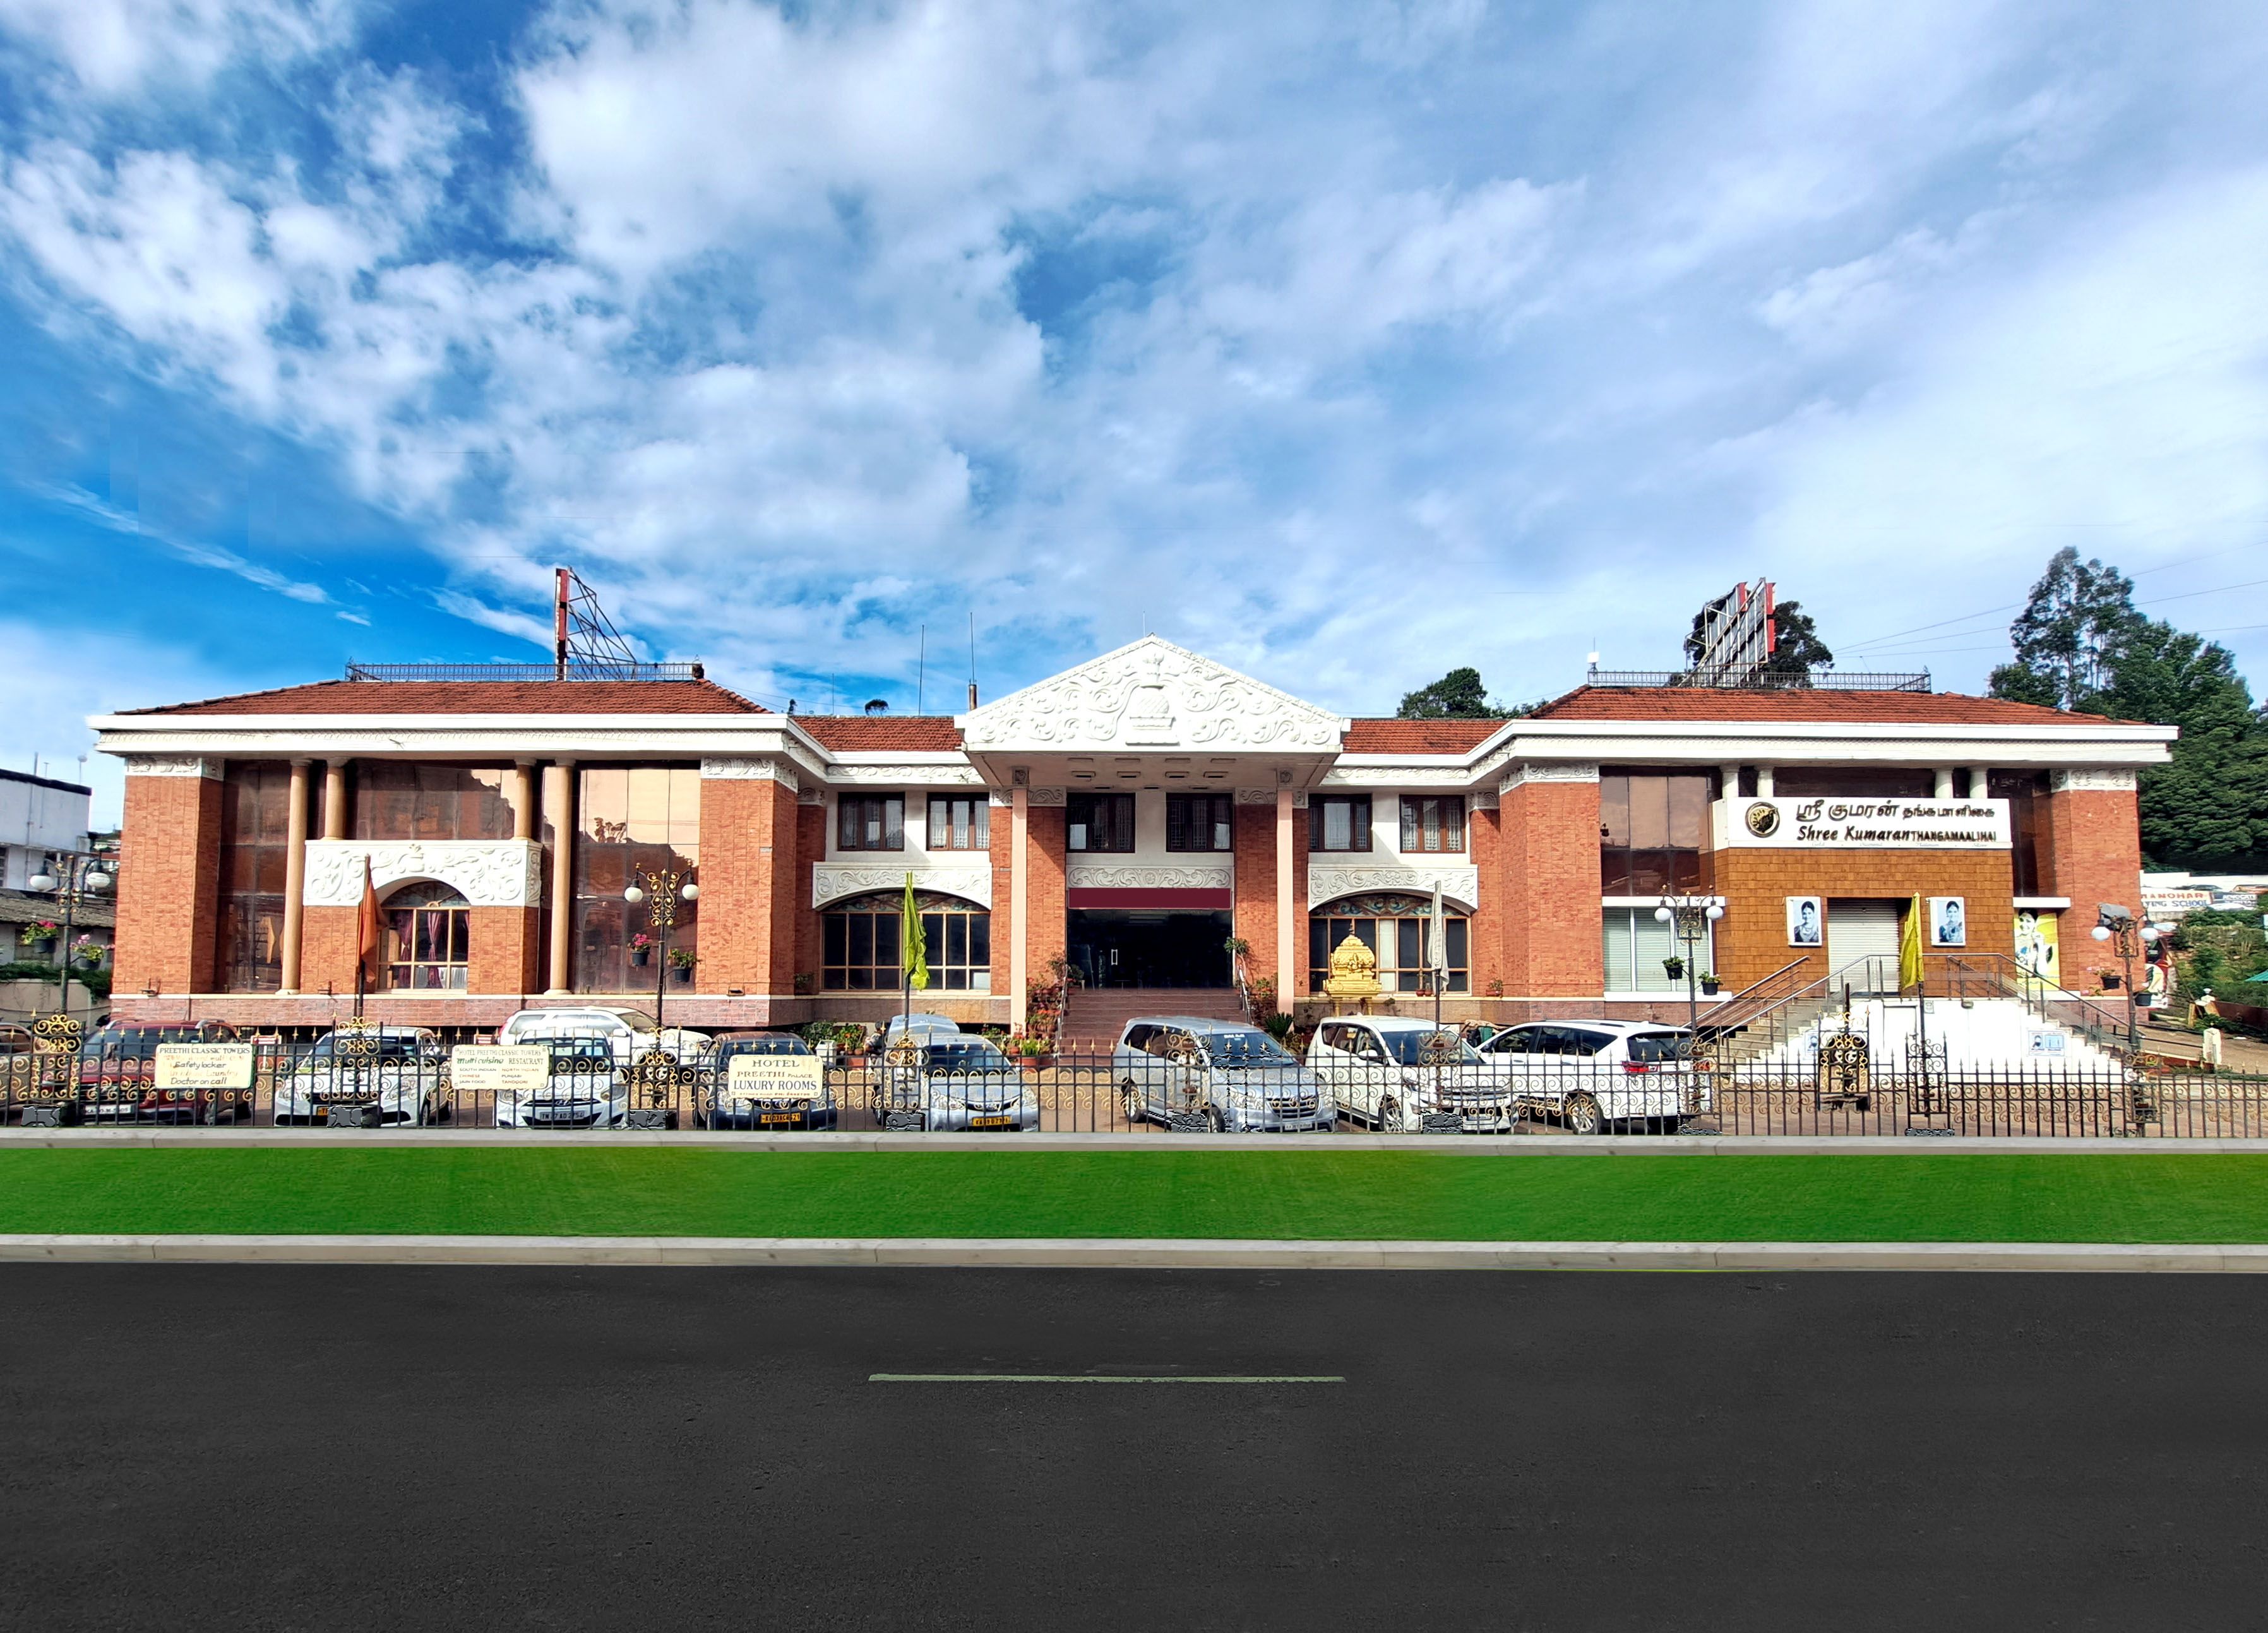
(1863,824)
(204,1066)
(773,1077)
(500,1068)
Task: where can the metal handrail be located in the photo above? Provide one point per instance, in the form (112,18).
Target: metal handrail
(2002,976)
(1726,1012)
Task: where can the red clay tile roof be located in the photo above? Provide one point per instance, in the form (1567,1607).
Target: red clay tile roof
(1416,737)
(853,734)
(1670,702)
(478,697)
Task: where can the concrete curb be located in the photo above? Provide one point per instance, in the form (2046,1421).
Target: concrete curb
(1528,1144)
(1112,1254)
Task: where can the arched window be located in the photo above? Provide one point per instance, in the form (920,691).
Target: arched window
(1393,927)
(861,943)
(428,938)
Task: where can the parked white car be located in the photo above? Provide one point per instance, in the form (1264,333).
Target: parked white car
(1236,1077)
(407,1079)
(1379,1073)
(1594,1076)
(925,1028)
(958,1082)
(628,1032)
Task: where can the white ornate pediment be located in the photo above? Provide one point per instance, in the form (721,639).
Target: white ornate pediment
(486,872)
(1327,882)
(1107,876)
(833,881)
(1151,695)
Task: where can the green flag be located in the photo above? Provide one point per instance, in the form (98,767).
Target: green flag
(914,957)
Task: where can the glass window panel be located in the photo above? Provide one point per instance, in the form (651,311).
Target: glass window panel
(1688,810)
(1649,872)
(1338,828)
(1614,811)
(1649,798)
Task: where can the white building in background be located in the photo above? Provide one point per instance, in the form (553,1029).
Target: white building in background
(42,820)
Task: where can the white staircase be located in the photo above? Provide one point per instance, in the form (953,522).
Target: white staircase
(1974,1033)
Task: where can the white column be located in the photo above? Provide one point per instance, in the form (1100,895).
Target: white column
(1763,781)
(1979,785)
(1020,891)
(1945,782)
(1289,954)
(334,799)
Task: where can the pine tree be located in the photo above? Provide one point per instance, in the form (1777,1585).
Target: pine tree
(2075,615)
(2208,808)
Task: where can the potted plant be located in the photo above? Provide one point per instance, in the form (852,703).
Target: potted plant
(1032,1052)
(641,949)
(1675,966)
(1709,982)
(680,965)
(43,934)
(87,951)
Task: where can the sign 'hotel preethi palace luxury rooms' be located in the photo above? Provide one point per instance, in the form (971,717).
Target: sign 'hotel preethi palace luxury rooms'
(1124,818)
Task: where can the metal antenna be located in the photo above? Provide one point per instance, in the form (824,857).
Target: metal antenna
(921,673)
(583,637)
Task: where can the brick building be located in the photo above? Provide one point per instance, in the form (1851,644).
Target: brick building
(1123,819)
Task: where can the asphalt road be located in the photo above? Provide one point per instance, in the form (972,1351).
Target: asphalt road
(256,1447)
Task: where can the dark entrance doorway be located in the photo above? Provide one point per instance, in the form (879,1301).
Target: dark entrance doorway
(1127,947)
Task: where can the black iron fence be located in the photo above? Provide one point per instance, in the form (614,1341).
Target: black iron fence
(401,1077)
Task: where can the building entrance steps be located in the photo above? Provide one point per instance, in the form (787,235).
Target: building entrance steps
(1976,1032)
(1097,1015)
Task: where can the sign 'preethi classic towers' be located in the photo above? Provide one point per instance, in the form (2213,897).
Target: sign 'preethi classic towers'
(1124,818)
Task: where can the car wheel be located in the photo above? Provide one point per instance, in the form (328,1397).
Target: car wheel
(1390,1113)
(1582,1115)
(1130,1101)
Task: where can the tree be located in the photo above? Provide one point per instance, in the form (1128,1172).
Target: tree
(2075,615)
(2208,808)
(1457,695)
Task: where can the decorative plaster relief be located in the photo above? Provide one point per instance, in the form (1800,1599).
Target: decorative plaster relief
(1151,695)
(486,872)
(1256,796)
(1300,800)
(1000,798)
(1103,876)
(165,765)
(905,776)
(1481,802)
(1552,771)
(1044,797)
(1327,883)
(811,796)
(833,881)
(738,770)
(1376,776)
(2091,780)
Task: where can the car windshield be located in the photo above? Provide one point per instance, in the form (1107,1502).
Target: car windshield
(1653,1048)
(1409,1047)
(731,1047)
(636,1020)
(388,1048)
(973,1055)
(1246,1048)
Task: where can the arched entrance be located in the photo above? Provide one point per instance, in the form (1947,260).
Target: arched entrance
(428,938)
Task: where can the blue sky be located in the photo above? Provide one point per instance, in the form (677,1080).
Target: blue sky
(1343,342)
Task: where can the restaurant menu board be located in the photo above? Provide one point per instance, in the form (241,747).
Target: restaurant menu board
(499,1068)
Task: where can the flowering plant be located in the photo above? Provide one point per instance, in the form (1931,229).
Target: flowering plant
(681,958)
(87,949)
(640,940)
(43,930)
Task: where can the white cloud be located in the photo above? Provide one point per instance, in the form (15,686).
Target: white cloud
(191,550)
(114,48)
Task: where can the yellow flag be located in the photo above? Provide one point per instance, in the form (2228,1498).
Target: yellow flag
(1909,971)
(914,946)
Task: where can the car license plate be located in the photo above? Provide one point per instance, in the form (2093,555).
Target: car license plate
(992,1122)
(775,1116)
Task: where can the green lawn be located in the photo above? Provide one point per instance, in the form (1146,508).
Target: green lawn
(596,1190)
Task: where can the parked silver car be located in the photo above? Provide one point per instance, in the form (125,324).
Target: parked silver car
(1235,1077)
(1381,1073)
(405,1078)
(1594,1076)
(956,1081)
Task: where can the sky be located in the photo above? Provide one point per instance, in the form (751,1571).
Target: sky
(1344,343)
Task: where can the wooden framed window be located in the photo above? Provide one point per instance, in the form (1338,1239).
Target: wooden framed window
(959,822)
(1433,823)
(870,822)
(859,944)
(1099,822)
(429,939)
(1200,822)
(1653,831)
(1393,927)
(1338,822)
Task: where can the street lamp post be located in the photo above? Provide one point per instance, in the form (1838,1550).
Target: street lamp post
(661,889)
(82,880)
(2114,923)
(1691,917)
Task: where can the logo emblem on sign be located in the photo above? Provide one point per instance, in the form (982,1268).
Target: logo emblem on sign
(1764,819)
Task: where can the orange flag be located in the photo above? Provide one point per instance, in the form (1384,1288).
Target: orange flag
(366,941)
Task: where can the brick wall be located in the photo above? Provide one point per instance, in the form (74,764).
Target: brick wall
(1752,937)
(506,956)
(327,950)
(1256,891)
(810,933)
(2093,841)
(1045,871)
(1000,824)
(1551,882)
(1484,840)
(747,927)
(169,901)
